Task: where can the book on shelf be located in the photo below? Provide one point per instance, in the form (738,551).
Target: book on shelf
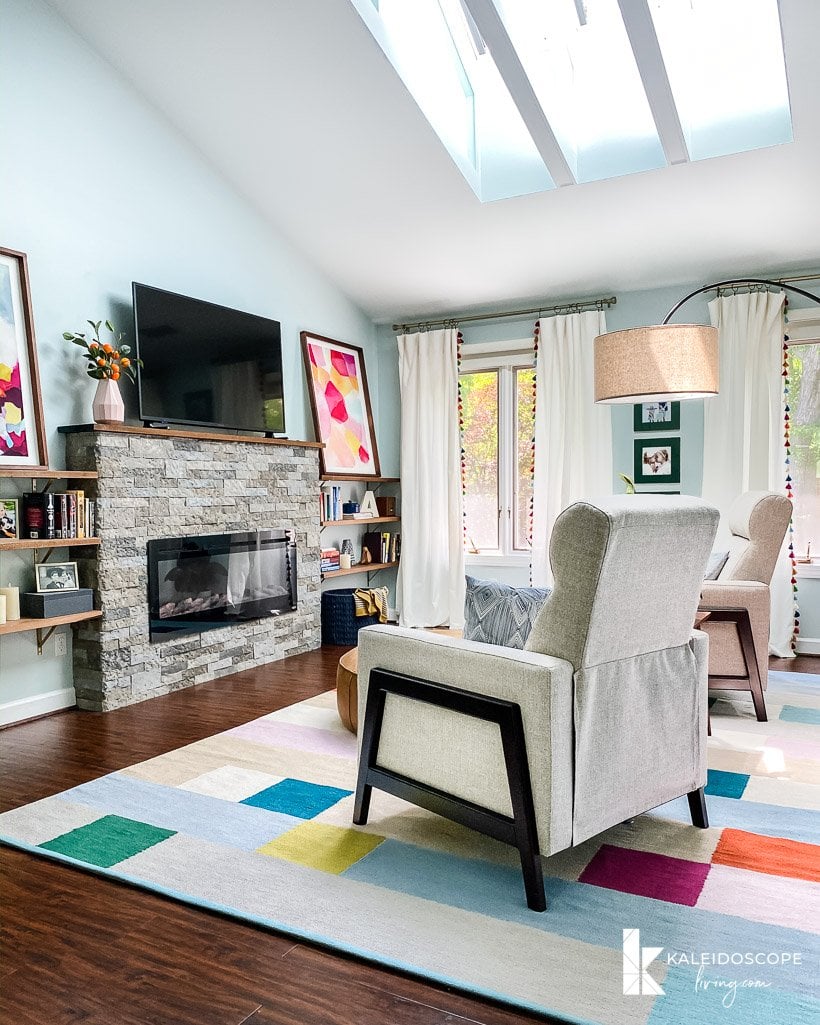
(66,515)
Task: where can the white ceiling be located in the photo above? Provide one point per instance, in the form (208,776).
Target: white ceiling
(296,105)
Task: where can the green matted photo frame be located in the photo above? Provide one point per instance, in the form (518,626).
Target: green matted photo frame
(657,461)
(656,416)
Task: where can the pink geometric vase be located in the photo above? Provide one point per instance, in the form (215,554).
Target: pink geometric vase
(108,407)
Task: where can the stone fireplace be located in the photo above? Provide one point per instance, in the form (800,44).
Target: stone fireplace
(156,485)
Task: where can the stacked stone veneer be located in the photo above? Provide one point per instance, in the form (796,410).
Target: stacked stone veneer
(152,487)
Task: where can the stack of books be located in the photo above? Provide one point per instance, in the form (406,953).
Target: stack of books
(330,560)
(65,515)
(331,503)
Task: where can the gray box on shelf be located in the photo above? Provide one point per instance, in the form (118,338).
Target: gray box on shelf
(45,604)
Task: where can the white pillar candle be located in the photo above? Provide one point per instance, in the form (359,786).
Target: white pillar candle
(12,596)
(2,609)
(345,561)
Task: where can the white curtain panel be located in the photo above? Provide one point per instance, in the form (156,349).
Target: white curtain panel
(743,427)
(431,573)
(573,435)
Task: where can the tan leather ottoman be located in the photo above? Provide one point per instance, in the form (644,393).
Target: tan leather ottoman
(347,689)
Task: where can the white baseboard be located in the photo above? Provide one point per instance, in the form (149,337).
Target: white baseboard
(40,704)
(808,646)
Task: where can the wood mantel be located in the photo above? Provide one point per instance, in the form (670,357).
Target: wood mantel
(169,432)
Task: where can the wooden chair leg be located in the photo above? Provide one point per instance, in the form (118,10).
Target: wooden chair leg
(747,646)
(697,808)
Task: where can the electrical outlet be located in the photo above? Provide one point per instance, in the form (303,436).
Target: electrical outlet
(60,644)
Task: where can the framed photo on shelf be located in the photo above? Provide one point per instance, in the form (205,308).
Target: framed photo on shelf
(340,404)
(656,416)
(57,576)
(22,424)
(9,519)
(657,461)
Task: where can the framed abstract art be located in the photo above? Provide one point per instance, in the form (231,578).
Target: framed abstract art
(340,403)
(22,426)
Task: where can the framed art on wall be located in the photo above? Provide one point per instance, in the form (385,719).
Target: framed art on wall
(656,416)
(657,461)
(22,425)
(340,404)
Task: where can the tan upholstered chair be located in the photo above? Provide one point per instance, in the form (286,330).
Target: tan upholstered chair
(739,631)
(601,718)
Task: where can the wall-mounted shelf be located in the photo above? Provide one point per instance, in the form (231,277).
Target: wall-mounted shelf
(361,567)
(359,522)
(34,474)
(359,477)
(45,627)
(21,544)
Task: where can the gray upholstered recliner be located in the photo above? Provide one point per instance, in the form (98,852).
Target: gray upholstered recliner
(603,717)
(739,633)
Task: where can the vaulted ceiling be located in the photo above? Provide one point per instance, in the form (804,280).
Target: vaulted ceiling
(299,109)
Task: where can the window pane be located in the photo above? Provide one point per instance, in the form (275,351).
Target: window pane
(479,397)
(525,427)
(804,403)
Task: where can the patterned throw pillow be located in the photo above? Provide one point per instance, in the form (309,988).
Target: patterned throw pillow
(500,614)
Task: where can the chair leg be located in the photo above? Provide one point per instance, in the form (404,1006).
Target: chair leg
(697,808)
(371,734)
(747,646)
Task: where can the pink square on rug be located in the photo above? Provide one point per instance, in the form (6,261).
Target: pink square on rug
(648,875)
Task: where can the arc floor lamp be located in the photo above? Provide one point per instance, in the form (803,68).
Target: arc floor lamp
(666,361)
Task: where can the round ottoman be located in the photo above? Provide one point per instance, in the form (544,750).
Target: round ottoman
(347,691)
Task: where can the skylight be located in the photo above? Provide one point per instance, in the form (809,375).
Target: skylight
(531,94)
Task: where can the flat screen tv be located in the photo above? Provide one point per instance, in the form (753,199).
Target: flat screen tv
(207,365)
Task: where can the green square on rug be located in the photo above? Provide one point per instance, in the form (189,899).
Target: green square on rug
(107,841)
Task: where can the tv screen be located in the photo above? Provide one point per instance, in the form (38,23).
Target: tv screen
(207,365)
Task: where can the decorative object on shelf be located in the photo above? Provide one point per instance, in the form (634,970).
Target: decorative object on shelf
(2,609)
(345,561)
(386,505)
(22,424)
(9,519)
(46,604)
(349,509)
(657,461)
(346,553)
(340,404)
(57,576)
(12,596)
(107,362)
(656,416)
(368,505)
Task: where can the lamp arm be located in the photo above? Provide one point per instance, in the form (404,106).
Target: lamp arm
(738,281)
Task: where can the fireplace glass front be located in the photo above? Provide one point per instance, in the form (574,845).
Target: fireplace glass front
(200,583)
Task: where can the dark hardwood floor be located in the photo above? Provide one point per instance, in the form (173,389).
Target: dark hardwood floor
(76,948)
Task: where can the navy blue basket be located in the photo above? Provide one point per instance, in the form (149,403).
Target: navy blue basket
(340,624)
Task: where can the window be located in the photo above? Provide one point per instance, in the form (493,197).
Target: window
(804,406)
(498,422)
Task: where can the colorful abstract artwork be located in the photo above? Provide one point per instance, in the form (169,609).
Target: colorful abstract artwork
(21,441)
(340,404)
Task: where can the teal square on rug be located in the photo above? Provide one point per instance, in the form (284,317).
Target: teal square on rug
(297,797)
(107,841)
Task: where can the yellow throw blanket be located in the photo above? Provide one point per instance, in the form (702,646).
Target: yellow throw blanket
(371,601)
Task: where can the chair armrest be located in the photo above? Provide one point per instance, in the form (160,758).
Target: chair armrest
(463,756)
(733,594)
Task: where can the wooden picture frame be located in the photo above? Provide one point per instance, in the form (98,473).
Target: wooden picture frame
(340,405)
(56,577)
(657,461)
(22,423)
(647,417)
(9,519)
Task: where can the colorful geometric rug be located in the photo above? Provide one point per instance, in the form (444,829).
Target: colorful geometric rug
(701,926)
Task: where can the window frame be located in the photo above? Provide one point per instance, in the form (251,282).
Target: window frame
(505,358)
(803,328)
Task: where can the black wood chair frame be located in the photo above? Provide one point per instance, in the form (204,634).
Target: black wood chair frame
(751,681)
(519,830)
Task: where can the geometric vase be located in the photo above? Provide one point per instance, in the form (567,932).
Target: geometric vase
(108,407)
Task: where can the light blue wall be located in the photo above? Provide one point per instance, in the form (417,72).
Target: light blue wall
(99,190)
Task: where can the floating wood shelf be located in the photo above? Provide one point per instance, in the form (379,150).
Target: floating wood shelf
(32,473)
(17,626)
(358,477)
(169,432)
(8,545)
(360,522)
(361,567)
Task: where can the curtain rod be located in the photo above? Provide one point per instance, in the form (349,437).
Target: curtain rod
(574,307)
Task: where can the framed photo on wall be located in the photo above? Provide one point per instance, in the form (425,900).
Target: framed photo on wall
(9,519)
(656,416)
(657,461)
(340,404)
(22,425)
